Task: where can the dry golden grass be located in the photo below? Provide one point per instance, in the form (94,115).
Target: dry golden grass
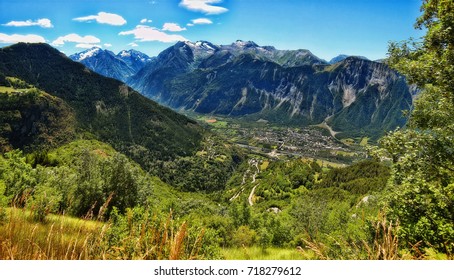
(386,241)
(66,238)
(59,238)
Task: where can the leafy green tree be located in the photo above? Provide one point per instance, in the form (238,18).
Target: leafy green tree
(3,202)
(90,182)
(244,236)
(422,186)
(18,176)
(123,182)
(44,200)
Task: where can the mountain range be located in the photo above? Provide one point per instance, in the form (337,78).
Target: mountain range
(118,66)
(353,95)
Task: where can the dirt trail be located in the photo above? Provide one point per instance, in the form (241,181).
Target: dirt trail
(252,163)
(252,195)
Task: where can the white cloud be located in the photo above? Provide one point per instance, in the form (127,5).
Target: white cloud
(200,21)
(104,18)
(204,6)
(170,26)
(145,21)
(133,45)
(16,38)
(107,45)
(42,22)
(87,46)
(75,38)
(145,33)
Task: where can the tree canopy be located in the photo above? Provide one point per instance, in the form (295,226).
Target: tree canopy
(422,186)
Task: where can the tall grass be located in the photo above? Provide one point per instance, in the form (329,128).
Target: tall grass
(66,238)
(257,253)
(385,245)
(386,241)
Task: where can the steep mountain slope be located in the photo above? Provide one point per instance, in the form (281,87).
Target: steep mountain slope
(104,108)
(355,96)
(134,59)
(106,63)
(373,97)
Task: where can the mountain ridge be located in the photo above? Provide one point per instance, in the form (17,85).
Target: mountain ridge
(118,66)
(243,79)
(292,87)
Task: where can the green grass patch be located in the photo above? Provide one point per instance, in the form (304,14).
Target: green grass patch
(219,124)
(4,89)
(344,153)
(264,165)
(257,253)
(364,141)
(348,141)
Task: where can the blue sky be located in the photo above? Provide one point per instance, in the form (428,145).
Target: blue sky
(325,27)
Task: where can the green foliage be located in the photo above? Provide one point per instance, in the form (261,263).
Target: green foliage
(207,171)
(421,193)
(283,179)
(360,178)
(43,200)
(18,177)
(244,236)
(33,120)
(141,234)
(3,202)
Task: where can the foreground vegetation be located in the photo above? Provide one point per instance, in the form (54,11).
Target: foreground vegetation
(299,210)
(133,236)
(80,198)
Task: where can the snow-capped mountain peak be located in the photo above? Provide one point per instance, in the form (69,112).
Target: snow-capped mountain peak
(124,53)
(86,54)
(105,62)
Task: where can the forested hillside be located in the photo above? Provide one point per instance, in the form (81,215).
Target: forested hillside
(103,107)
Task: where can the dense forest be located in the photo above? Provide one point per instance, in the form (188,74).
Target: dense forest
(90,169)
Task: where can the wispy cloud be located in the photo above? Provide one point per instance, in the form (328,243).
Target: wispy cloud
(145,20)
(75,38)
(170,26)
(107,45)
(145,33)
(16,38)
(42,22)
(204,6)
(133,45)
(104,18)
(200,21)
